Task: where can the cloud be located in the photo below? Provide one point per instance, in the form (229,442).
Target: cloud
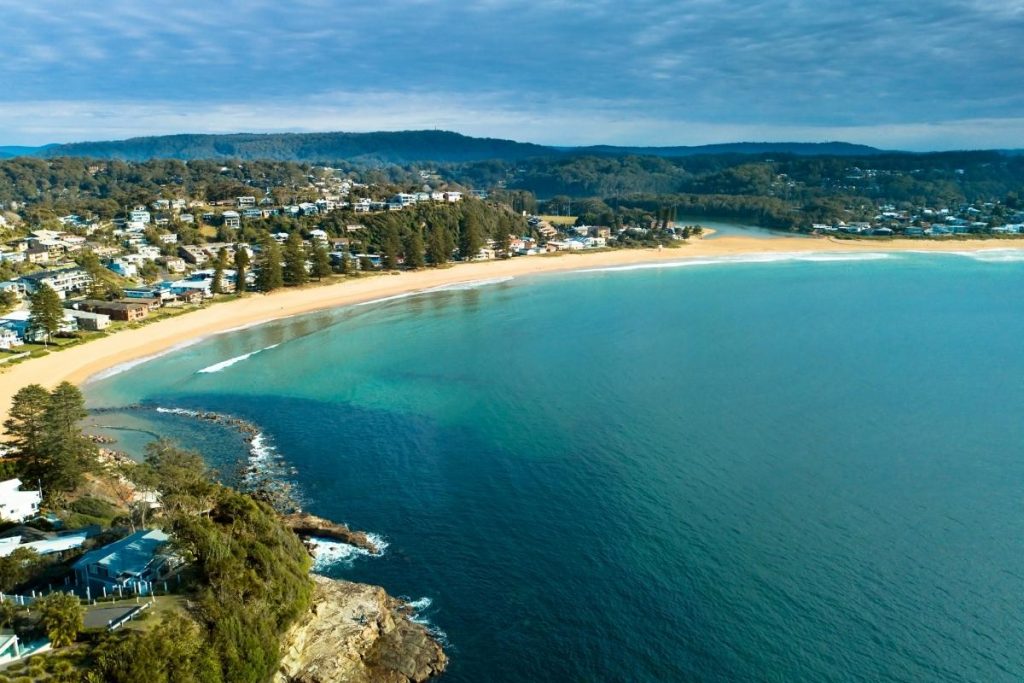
(712,65)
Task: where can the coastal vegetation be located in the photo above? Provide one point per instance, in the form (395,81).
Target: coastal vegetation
(248,573)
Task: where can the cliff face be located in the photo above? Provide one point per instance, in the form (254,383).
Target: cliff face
(356,633)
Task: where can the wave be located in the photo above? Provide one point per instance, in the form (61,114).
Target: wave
(454,287)
(1005,255)
(328,554)
(419,607)
(225,364)
(128,365)
(780,257)
(469,284)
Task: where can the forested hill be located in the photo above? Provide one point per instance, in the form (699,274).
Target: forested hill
(397,148)
(832,149)
(386,147)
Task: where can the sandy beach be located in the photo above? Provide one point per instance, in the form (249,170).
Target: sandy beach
(80,362)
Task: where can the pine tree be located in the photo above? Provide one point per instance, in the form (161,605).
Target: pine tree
(25,424)
(241,268)
(45,312)
(345,265)
(392,245)
(217,286)
(295,272)
(414,250)
(505,243)
(437,249)
(470,237)
(271,273)
(321,260)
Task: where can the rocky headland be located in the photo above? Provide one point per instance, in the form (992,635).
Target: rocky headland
(357,633)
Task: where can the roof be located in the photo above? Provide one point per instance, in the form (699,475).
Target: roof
(130,555)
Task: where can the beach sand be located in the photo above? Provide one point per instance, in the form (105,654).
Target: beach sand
(78,363)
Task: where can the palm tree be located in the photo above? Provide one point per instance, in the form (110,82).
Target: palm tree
(61,616)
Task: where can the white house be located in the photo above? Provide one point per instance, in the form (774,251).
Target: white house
(9,337)
(231,219)
(17,505)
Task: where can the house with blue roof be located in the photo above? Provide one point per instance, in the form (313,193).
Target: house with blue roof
(129,563)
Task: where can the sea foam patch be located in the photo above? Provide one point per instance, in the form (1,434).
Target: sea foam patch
(225,364)
(419,609)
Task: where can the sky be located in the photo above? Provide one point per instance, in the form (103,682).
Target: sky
(911,74)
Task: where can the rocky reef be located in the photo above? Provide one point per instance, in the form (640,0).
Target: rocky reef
(357,633)
(308,526)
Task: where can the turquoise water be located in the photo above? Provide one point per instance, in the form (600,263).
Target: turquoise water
(787,470)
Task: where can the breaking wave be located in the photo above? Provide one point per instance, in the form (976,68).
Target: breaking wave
(811,256)
(224,364)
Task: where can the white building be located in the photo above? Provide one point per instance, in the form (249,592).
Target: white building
(17,505)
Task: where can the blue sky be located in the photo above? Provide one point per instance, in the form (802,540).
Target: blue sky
(919,74)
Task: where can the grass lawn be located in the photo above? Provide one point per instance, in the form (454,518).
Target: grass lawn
(560,220)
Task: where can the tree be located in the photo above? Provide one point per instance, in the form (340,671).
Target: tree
(414,250)
(241,268)
(295,261)
(392,245)
(470,237)
(26,423)
(44,431)
(437,249)
(61,616)
(68,452)
(504,242)
(271,272)
(181,477)
(18,567)
(8,612)
(8,300)
(45,312)
(345,265)
(321,260)
(217,286)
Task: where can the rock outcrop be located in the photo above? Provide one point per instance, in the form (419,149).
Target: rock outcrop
(356,633)
(306,525)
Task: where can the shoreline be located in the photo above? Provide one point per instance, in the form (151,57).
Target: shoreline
(129,347)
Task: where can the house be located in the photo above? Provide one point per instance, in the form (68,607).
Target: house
(252,214)
(453,197)
(117,310)
(245,202)
(193,254)
(18,322)
(173,264)
(185,218)
(62,281)
(129,563)
(44,542)
(9,338)
(231,219)
(139,215)
(91,322)
(17,505)
(123,268)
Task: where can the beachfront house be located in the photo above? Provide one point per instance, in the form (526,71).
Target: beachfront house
(116,310)
(130,563)
(62,281)
(17,505)
(9,337)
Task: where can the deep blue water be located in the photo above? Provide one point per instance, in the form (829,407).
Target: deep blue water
(779,471)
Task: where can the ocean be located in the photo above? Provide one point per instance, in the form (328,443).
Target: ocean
(767,468)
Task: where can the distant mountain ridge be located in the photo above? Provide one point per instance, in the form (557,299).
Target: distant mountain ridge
(400,147)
